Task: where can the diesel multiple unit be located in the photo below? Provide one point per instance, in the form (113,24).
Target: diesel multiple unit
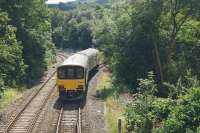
(73,73)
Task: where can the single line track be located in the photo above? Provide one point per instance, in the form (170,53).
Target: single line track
(25,120)
(69,120)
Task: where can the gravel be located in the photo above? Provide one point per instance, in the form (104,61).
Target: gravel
(92,113)
(95,107)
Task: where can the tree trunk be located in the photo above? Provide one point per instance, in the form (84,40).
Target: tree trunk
(159,71)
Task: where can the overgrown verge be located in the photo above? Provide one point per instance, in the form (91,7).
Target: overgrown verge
(26,47)
(10,95)
(114,107)
(149,113)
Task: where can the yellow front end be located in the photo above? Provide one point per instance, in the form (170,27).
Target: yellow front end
(71,85)
(71,89)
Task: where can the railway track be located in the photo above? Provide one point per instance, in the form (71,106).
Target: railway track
(69,120)
(24,121)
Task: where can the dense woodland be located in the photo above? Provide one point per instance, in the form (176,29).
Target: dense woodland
(151,46)
(153,50)
(26,46)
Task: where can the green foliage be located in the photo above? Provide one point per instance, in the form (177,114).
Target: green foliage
(129,37)
(141,36)
(32,20)
(137,114)
(147,86)
(1,86)
(185,116)
(137,37)
(73,29)
(160,109)
(148,113)
(183,84)
(12,67)
(74,4)
(26,46)
(57,19)
(194,60)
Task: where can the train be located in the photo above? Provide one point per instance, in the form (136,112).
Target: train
(73,74)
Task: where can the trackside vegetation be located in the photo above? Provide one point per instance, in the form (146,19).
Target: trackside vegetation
(152,48)
(26,46)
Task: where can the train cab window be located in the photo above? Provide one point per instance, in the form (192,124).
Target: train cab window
(71,72)
(79,73)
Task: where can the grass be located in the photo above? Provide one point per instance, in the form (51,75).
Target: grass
(9,96)
(104,87)
(114,106)
(114,111)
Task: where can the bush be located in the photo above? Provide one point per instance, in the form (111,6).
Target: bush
(185,117)
(12,67)
(182,85)
(1,86)
(161,108)
(148,113)
(137,113)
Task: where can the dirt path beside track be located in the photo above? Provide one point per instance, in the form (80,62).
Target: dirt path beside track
(95,106)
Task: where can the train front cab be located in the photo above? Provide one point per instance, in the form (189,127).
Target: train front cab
(71,82)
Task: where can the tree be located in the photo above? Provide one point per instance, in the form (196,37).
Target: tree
(12,67)
(132,38)
(73,29)
(137,113)
(57,20)
(32,20)
(84,33)
(178,12)
(185,116)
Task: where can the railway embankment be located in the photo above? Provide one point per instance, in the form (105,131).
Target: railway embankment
(110,103)
(12,110)
(94,112)
(104,104)
(95,107)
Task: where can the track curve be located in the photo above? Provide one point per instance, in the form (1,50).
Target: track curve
(25,120)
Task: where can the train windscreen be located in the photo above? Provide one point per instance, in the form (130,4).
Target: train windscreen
(70,72)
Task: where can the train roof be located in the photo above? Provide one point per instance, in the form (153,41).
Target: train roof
(89,52)
(76,60)
(80,58)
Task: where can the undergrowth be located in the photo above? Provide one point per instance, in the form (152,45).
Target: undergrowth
(113,103)
(10,95)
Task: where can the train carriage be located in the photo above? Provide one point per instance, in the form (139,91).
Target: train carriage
(73,73)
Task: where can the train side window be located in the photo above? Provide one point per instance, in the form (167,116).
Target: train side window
(70,73)
(79,73)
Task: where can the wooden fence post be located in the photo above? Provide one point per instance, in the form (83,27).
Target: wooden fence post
(119,126)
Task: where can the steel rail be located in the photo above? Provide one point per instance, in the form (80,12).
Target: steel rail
(31,99)
(40,110)
(78,126)
(59,120)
